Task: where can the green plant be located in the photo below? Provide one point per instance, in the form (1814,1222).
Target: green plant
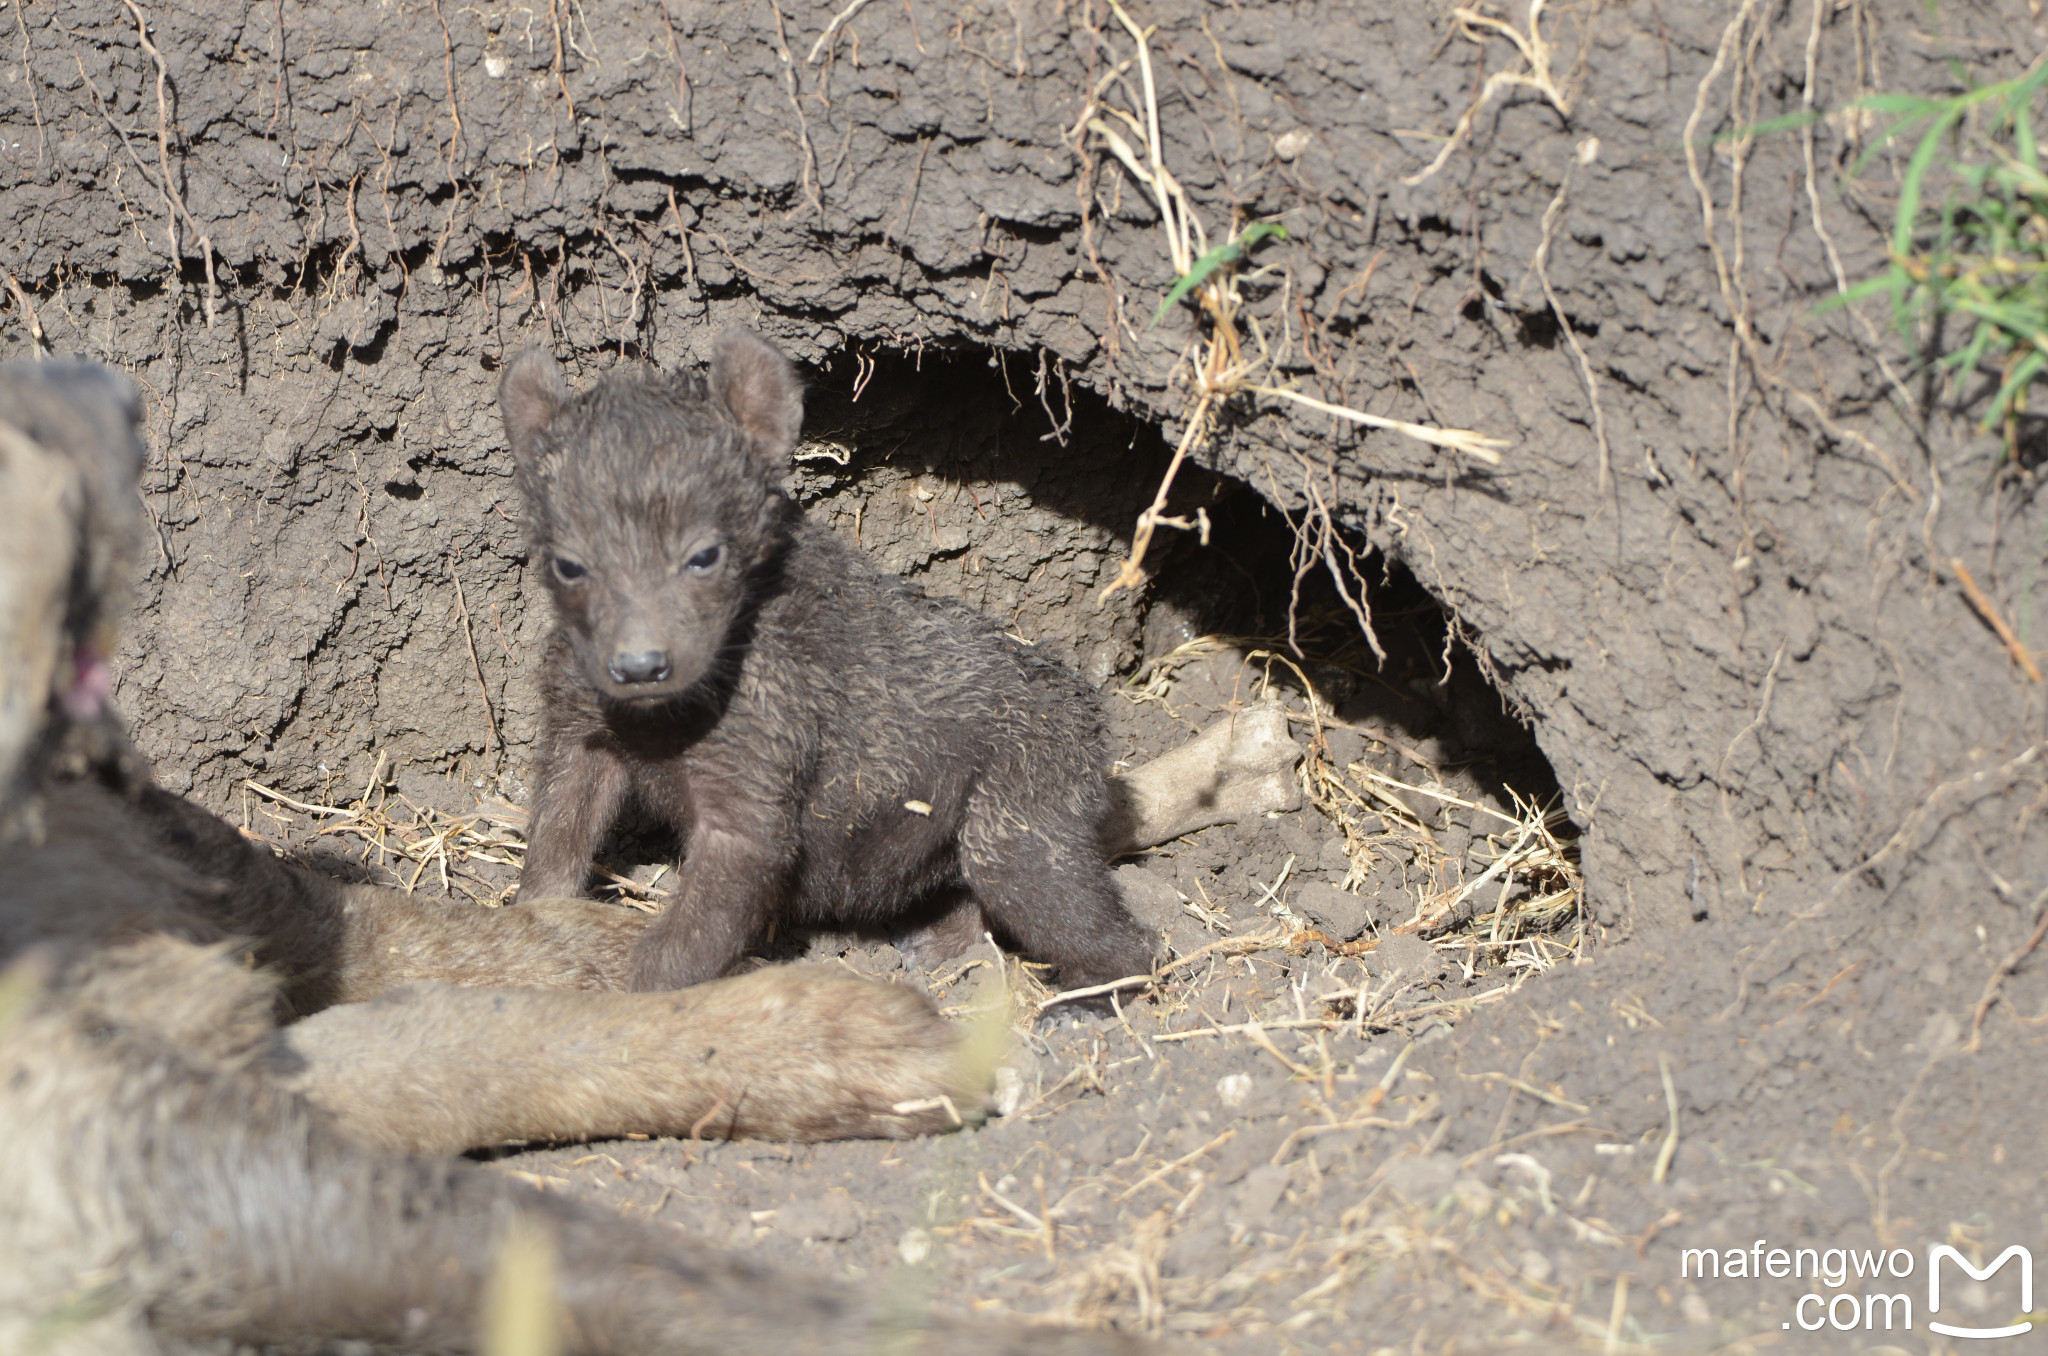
(1229,252)
(1984,254)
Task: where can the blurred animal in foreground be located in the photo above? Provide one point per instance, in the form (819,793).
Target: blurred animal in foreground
(231,1090)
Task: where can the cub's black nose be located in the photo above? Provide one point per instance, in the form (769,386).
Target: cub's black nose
(648,666)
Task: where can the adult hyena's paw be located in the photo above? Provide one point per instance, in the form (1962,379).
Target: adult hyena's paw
(817,1054)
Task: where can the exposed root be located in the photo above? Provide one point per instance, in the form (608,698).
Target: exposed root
(1937,806)
(1813,206)
(561,75)
(28,76)
(1744,335)
(28,314)
(1763,712)
(831,31)
(1222,369)
(803,124)
(454,168)
(1317,541)
(1535,74)
(1587,151)
(492,740)
(2004,969)
(172,205)
(174,201)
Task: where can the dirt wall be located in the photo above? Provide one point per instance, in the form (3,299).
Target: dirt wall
(1723,599)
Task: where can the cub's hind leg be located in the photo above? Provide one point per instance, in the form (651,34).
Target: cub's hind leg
(1037,871)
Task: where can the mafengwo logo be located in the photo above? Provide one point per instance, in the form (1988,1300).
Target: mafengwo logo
(2026,1259)
(1866,1308)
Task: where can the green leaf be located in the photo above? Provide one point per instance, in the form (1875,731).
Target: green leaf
(1230,251)
(1893,280)
(1977,258)
(1916,170)
(2023,91)
(2018,322)
(1906,105)
(1765,128)
(2023,372)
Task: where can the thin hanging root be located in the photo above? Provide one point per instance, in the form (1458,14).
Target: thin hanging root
(1584,155)
(832,31)
(1179,219)
(29,316)
(1763,372)
(1131,572)
(1224,370)
(174,201)
(1317,540)
(1536,57)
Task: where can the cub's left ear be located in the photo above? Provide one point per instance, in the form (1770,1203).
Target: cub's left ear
(759,391)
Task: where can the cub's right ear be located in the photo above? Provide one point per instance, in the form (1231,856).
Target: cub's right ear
(530,394)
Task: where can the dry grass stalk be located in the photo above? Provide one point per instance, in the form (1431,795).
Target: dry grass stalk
(1477,446)
(1120,1287)
(1531,930)
(449,844)
(1989,613)
(1222,369)
(522,1309)
(1670,1146)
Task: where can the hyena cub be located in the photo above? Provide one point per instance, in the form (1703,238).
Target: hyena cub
(834,747)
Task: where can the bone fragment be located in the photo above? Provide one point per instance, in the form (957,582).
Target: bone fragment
(1239,768)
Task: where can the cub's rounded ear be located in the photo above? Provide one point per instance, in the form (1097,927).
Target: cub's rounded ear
(529,395)
(760,393)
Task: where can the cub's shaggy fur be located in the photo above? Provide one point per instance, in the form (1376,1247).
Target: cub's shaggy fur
(834,747)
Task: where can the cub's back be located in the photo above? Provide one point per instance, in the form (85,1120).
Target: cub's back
(871,648)
(886,695)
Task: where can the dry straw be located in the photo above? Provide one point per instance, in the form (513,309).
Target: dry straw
(1223,370)
(1525,910)
(393,835)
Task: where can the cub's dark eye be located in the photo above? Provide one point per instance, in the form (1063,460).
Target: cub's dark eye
(705,560)
(568,571)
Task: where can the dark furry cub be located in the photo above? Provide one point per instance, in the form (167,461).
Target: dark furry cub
(834,747)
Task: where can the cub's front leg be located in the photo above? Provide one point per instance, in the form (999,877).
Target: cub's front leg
(578,792)
(737,873)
